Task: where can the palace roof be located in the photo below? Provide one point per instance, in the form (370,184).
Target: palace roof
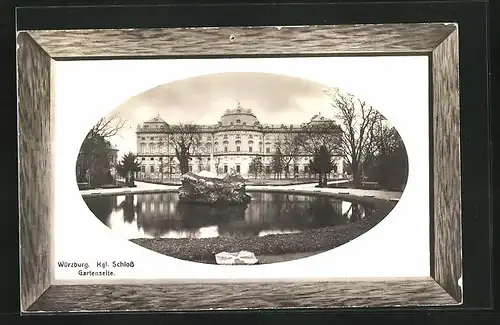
(156,119)
(238,116)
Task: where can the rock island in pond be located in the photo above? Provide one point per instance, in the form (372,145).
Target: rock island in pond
(204,188)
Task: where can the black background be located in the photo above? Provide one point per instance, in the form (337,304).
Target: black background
(474,123)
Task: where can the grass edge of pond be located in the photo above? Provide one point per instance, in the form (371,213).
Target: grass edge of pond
(312,241)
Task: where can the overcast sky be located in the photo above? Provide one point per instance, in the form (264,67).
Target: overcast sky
(274,99)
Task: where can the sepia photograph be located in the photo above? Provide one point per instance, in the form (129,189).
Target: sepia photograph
(242,168)
(236,172)
(247,178)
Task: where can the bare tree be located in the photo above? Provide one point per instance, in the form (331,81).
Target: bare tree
(161,168)
(387,163)
(358,122)
(185,140)
(107,127)
(96,150)
(320,135)
(289,145)
(385,138)
(316,134)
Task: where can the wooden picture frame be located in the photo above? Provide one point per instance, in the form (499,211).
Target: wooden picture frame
(37,51)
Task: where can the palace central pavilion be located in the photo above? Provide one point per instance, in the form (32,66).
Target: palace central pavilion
(229,145)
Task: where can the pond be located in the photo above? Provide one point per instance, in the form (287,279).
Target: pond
(161,215)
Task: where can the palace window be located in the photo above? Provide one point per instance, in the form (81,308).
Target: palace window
(306,169)
(268,169)
(238,121)
(238,136)
(244,123)
(268,150)
(250,142)
(225,136)
(296,169)
(190,168)
(238,142)
(225,168)
(237,168)
(152,138)
(250,149)
(152,159)
(238,148)
(152,169)
(143,138)
(143,169)
(225,149)
(143,158)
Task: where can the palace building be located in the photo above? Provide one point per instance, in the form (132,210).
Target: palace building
(229,145)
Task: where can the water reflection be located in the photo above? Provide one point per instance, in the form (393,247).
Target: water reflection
(129,208)
(162,215)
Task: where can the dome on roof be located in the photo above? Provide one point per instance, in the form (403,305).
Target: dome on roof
(156,119)
(320,118)
(238,116)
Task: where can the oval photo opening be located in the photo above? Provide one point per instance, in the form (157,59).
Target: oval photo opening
(288,170)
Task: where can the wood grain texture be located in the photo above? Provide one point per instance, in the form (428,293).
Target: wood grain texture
(172,297)
(35,171)
(35,174)
(447,179)
(399,38)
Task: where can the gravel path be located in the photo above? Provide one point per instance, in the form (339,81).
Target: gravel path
(311,188)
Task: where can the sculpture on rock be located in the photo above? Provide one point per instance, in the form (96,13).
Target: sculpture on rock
(229,189)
